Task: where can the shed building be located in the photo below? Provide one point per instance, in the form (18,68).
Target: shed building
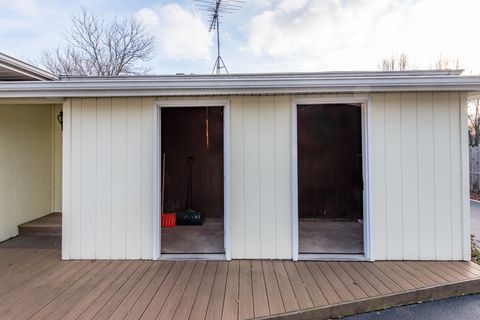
(339,165)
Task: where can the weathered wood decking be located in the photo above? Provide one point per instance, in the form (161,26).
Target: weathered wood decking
(36,284)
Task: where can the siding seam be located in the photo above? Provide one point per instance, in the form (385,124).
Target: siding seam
(417,178)
(450,173)
(434,180)
(259,162)
(275,178)
(110,100)
(243,179)
(385,176)
(402,96)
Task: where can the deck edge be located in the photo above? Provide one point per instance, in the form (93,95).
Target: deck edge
(344,309)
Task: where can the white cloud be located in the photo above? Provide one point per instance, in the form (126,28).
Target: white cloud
(180,34)
(22,7)
(346,34)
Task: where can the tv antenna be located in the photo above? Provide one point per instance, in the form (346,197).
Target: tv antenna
(217,9)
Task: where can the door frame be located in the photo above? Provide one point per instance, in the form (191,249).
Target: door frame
(157,131)
(365,103)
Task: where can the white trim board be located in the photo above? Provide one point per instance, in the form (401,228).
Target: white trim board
(365,103)
(242,84)
(158,104)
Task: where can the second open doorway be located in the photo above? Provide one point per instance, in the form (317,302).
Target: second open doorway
(330,179)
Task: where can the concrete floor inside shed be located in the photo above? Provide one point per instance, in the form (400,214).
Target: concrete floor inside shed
(330,237)
(204,239)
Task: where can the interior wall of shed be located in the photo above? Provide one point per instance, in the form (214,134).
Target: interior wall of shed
(185,133)
(195,132)
(330,162)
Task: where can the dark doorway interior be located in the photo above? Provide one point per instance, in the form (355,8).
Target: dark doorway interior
(193,132)
(330,178)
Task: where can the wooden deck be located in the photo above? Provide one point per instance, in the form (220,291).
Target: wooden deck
(36,284)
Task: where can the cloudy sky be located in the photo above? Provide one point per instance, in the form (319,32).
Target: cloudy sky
(267,35)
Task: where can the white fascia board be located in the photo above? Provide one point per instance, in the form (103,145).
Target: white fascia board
(25,69)
(199,86)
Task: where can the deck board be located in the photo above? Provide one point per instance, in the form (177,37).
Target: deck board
(260,300)
(44,287)
(199,309)
(330,294)
(188,297)
(215,306)
(245,293)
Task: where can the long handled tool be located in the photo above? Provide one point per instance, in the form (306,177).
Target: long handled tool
(190,216)
(168,220)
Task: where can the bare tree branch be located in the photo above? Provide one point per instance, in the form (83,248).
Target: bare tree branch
(445,63)
(474,122)
(397,63)
(99,47)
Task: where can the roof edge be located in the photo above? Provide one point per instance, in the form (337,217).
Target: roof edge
(26,69)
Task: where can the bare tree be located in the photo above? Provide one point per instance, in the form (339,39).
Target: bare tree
(445,63)
(99,47)
(396,63)
(474,122)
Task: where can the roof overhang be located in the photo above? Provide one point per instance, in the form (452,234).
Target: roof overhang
(244,84)
(12,69)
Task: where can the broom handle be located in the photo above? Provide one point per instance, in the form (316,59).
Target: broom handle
(163,180)
(190,162)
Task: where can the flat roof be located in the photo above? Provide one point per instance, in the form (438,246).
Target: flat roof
(244,84)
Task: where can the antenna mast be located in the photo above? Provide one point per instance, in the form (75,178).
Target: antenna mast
(216,8)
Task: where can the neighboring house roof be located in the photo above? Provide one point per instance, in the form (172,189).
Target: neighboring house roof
(12,69)
(244,84)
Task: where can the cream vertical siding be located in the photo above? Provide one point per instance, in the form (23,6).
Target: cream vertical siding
(261,189)
(107,188)
(419,204)
(27,134)
(418,209)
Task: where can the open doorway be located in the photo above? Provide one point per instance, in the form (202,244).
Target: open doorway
(192,150)
(330,179)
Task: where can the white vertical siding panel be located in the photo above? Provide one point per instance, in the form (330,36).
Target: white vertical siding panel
(465,176)
(3,225)
(426,178)
(104,179)
(283,189)
(8,203)
(456,176)
(393,159)
(378,214)
(409,176)
(252,173)
(66,179)
(89,177)
(237,179)
(147,179)
(134,175)
(23,146)
(57,160)
(119,183)
(441,126)
(267,177)
(76,179)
